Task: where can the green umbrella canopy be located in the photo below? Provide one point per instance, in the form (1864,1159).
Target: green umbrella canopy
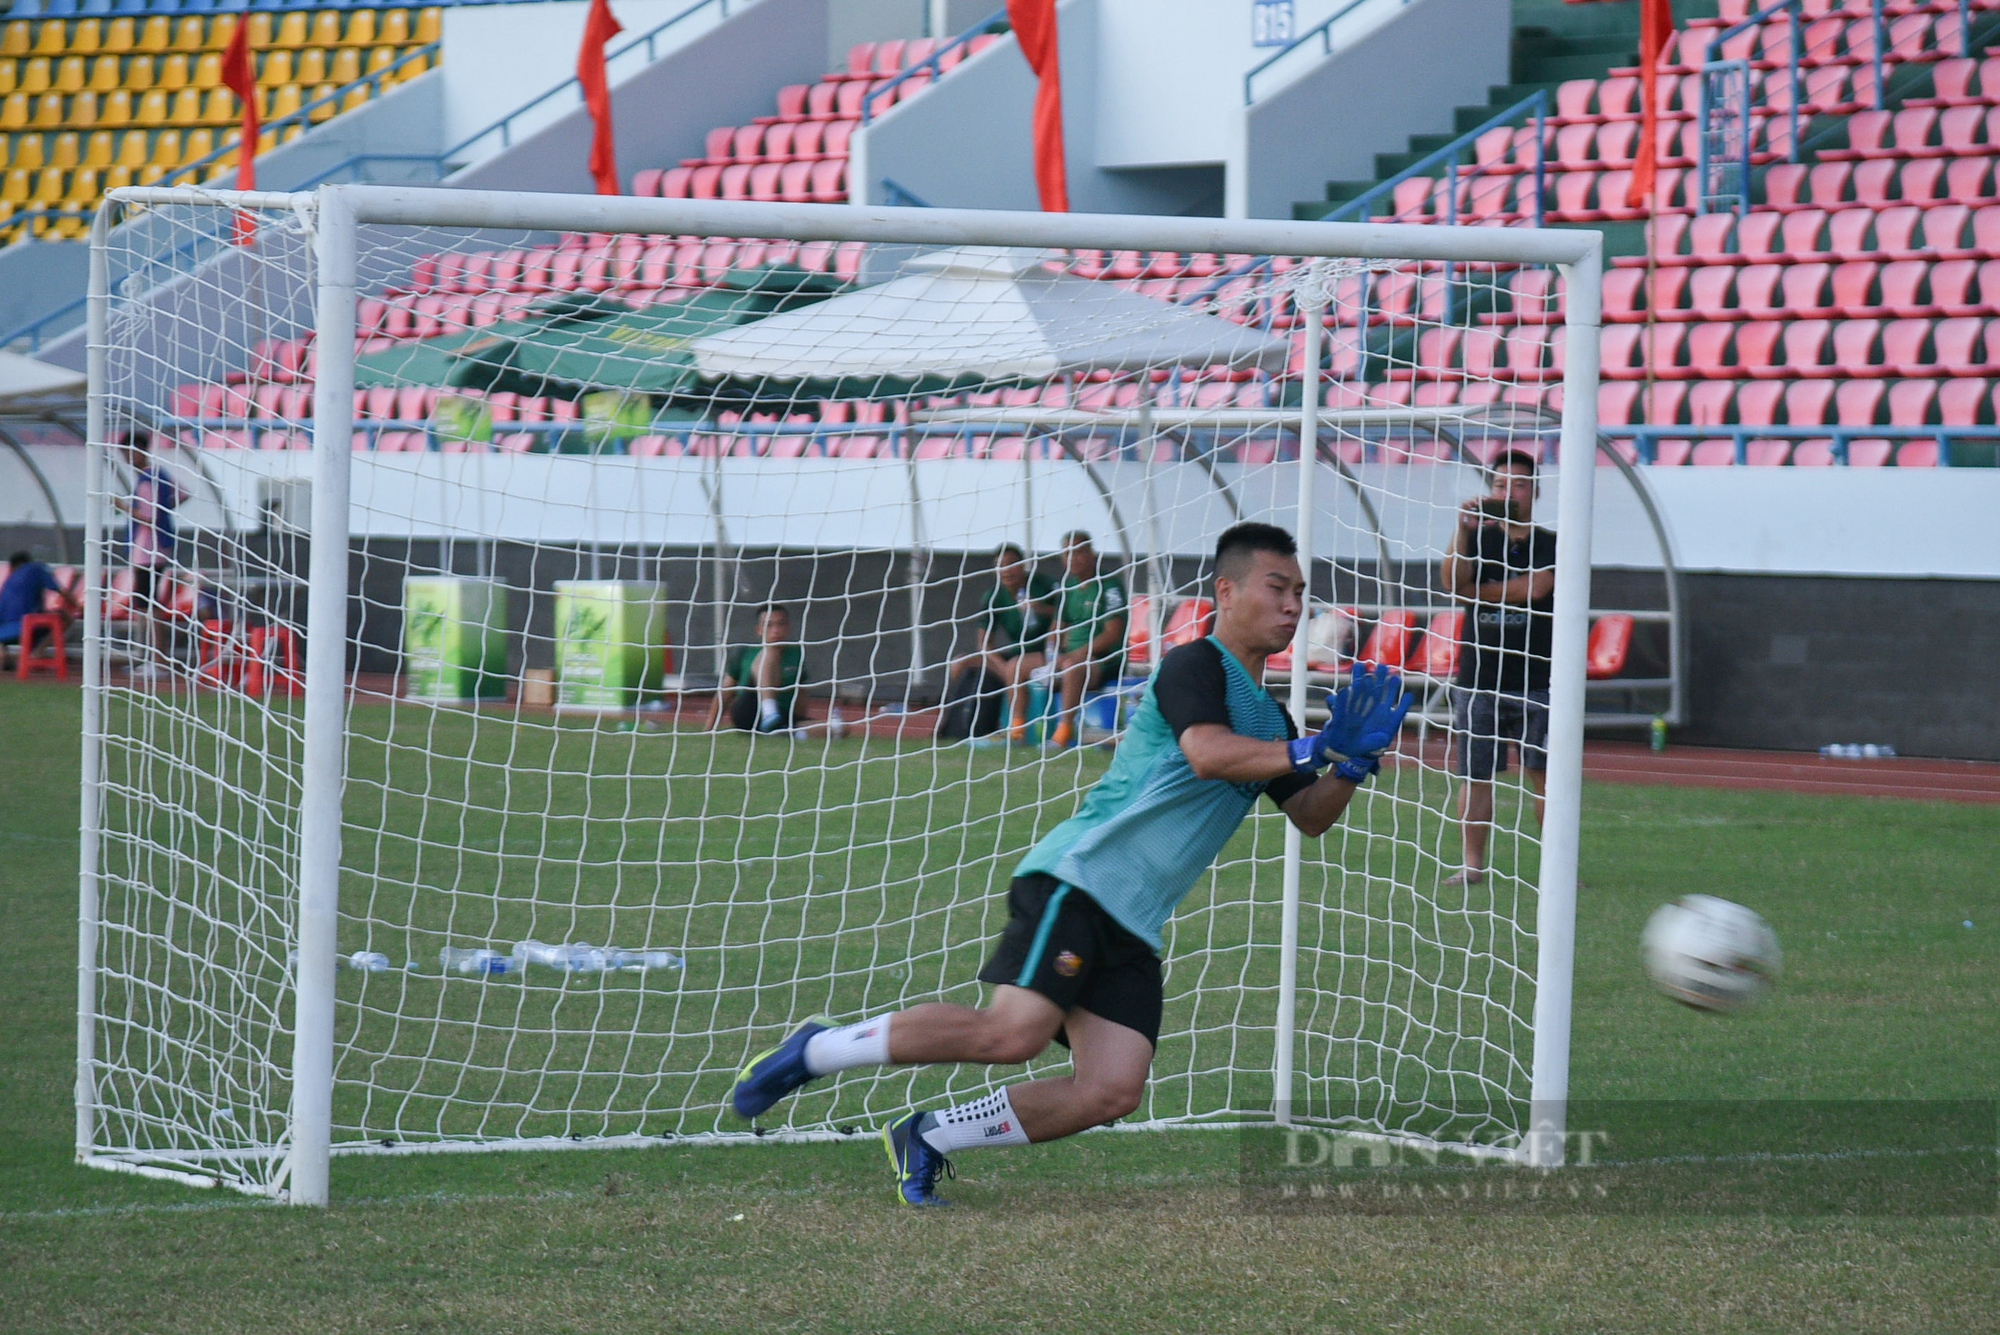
(607,345)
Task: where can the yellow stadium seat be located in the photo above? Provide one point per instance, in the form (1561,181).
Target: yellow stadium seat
(186,109)
(28,152)
(196,145)
(117,177)
(312,66)
(286,99)
(207,71)
(87,37)
(266,141)
(49,185)
(221,108)
(116,108)
(99,149)
(360,29)
(290,133)
(6,209)
(51,39)
(191,34)
(153,107)
(325,28)
(72,75)
(322,93)
(394,27)
(120,35)
(381,58)
(17,38)
(294,30)
(417,65)
(430,25)
(107,73)
(82,109)
(10,76)
(66,150)
(261,30)
(84,187)
(138,74)
(156,34)
(166,150)
(355,97)
(14,111)
(49,111)
(173,72)
(346,66)
(17,186)
(148,175)
(131,149)
(35,75)
(277,69)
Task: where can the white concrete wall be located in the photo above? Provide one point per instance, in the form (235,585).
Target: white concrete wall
(499,57)
(1401,77)
(1911,523)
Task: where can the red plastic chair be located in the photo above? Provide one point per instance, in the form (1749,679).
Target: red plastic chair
(51,658)
(1389,643)
(1436,657)
(1191,620)
(1610,646)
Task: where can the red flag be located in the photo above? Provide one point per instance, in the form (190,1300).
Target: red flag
(1034,23)
(1656,33)
(239,76)
(598,29)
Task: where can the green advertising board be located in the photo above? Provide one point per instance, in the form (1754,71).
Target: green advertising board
(454,639)
(611,643)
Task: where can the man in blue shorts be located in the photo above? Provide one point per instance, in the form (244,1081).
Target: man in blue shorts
(1079,960)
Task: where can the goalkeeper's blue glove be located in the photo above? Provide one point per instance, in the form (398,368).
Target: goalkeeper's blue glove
(1363,718)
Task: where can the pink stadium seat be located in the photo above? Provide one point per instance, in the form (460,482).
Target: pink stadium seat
(1767,453)
(829,181)
(1869,453)
(1917,454)
(1714,454)
(1757,402)
(1955,345)
(1617,402)
(1807,402)
(1859,402)
(1671,453)
(1757,347)
(1854,345)
(1708,402)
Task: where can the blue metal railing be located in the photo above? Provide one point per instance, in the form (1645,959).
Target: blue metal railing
(504,127)
(1646,438)
(933,65)
(1323,32)
(1457,179)
(1726,93)
(898,197)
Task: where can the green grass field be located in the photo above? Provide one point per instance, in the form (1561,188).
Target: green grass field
(1886,996)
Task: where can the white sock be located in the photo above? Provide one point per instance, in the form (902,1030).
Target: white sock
(987,1121)
(864,1044)
(767,713)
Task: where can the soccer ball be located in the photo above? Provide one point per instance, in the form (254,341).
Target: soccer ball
(1710,954)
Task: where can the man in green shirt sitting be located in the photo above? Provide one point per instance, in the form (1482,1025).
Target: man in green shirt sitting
(763,677)
(1014,621)
(1090,630)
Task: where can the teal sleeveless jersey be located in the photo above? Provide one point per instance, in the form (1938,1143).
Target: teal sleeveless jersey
(1149,828)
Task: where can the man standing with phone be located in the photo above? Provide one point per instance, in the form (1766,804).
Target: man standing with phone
(1503,569)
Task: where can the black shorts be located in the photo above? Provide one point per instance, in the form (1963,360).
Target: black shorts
(1061,943)
(1483,722)
(145,585)
(743,711)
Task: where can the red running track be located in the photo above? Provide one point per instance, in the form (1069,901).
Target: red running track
(1792,771)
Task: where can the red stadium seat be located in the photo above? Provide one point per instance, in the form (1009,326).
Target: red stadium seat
(1389,643)
(1609,647)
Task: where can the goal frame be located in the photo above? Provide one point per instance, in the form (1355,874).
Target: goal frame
(336,214)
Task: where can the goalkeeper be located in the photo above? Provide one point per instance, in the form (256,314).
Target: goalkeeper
(1078,962)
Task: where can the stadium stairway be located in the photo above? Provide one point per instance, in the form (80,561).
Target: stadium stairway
(91,103)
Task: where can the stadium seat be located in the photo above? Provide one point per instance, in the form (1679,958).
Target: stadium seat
(1609,647)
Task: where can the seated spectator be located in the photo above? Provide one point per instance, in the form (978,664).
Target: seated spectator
(1090,629)
(1015,615)
(24,593)
(761,681)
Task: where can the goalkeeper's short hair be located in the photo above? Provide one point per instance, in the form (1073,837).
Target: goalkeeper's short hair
(1240,542)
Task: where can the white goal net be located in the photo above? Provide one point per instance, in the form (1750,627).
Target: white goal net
(593,636)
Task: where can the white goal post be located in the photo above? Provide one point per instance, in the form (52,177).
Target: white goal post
(277,854)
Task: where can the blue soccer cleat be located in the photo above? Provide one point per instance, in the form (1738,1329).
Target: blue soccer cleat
(773,1074)
(917,1165)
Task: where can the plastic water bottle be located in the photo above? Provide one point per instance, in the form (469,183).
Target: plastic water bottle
(640,961)
(368,961)
(1659,733)
(459,959)
(836,722)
